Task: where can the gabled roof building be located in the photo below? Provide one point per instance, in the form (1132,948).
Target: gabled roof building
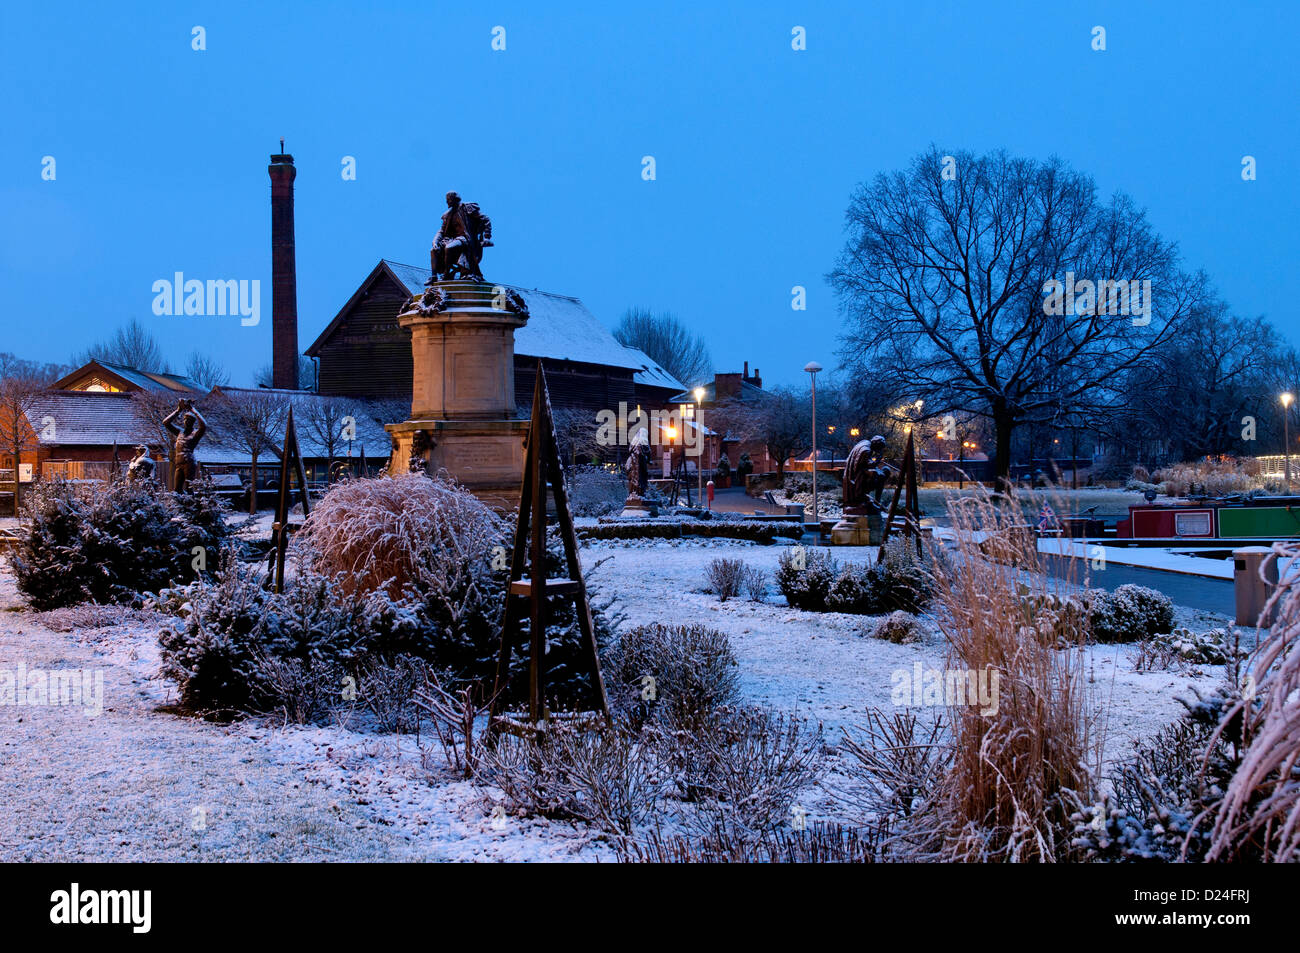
(365,353)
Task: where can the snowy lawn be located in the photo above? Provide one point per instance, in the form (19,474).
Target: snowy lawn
(137,782)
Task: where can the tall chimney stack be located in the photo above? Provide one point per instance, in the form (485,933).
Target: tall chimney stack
(284,276)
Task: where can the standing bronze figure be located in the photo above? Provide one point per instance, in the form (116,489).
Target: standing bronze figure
(638,465)
(458,246)
(185,466)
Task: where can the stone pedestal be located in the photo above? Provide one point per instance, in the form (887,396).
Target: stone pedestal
(858,527)
(463,415)
(635,508)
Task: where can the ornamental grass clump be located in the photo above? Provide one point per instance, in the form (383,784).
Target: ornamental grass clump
(1021,764)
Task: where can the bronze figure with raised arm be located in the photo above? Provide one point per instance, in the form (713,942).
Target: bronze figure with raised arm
(185,466)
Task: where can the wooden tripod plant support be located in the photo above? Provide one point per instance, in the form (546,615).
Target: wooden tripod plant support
(542,470)
(290,465)
(911,503)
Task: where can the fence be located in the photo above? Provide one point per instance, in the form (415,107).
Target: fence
(1275,465)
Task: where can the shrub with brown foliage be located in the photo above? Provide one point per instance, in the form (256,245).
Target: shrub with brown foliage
(407,530)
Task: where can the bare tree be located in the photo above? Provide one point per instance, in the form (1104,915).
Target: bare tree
(575,430)
(667,342)
(1202,385)
(131,344)
(18,397)
(782,421)
(44,373)
(954,280)
(206,371)
(252,421)
(326,421)
(306,374)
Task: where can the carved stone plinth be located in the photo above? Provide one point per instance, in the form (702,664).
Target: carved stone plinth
(858,529)
(463,389)
(635,508)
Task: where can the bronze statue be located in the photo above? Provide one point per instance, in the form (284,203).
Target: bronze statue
(141,466)
(865,475)
(458,246)
(185,467)
(638,464)
(421,444)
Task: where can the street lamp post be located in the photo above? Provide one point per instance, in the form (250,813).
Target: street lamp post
(812,367)
(1286,399)
(699,433)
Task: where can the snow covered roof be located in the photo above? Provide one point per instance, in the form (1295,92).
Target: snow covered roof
(144,380)
(748,392)
(560,328)
(83,418)
(370,430)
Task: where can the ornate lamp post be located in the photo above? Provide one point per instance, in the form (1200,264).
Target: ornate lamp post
(812,367)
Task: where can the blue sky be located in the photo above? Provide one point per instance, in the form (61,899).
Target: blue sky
(161,151)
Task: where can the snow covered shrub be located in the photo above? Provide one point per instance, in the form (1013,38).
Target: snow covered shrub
(244,648)
(1129,614)
(754,581)
(900,762)
(897,627)
(408,530)
(1138,486)
(1165,796)
(725,578)
(1259,815)
(900,581)
(1182,646)
(1141,474)
(819,842)
(595,491)
(744,767)
(1057,618)
(611,777)
(388,689)
(111,542)
(852,591)
(203,513)
(432,548)
(805,576)
(674,673)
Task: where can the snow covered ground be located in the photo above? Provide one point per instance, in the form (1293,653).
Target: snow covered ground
(137,782)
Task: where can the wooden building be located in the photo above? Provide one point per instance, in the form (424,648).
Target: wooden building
(364,353)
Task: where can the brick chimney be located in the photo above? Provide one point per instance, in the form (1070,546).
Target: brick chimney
(284,277)
(726,386)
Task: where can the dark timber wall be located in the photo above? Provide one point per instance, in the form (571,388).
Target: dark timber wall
(369,355)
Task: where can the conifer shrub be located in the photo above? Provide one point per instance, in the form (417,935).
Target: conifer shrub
(111,543)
